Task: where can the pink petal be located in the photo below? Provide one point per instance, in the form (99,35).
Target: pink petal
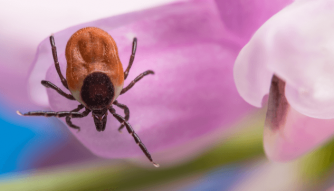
(244,17)
(289,134)
(251,74)
(13,72)
(191,94)
(330,189)
(295,45)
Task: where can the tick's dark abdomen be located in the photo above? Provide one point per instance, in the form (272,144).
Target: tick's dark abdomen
(97,91)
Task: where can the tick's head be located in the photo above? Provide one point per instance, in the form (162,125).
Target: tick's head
(97,91)
(100,119)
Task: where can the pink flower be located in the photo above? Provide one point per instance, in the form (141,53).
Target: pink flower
(292,55)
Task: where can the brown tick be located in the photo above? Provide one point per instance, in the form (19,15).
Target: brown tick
(95,78)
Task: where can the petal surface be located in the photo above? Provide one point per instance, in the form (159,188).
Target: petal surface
(289,134)
(192,92)
(244,17)
(297,45)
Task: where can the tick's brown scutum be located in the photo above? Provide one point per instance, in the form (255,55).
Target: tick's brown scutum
(92,50)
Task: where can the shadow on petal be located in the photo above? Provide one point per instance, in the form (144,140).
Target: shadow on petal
(289,134)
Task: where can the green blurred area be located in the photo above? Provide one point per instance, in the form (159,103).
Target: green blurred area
(318,164)
(245,144)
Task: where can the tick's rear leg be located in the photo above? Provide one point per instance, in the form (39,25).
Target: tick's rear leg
(126,112)
(55,58)
(134,135)
(136,80)
(48,84)
(68,118)
(132,57)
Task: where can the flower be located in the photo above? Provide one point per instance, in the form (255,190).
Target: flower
(292,55)
(191,46)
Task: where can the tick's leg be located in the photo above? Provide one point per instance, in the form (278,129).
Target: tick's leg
(132,57)
(55,58)
(134,135)
(68,118)
(126,112)
(136,80)
(72,114)
(48,84)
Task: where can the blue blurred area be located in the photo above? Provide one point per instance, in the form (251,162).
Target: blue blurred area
(219,179)
(26,140)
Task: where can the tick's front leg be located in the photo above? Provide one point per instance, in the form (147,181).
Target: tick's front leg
(136,80)
(55,59)
(48,84)
(132,57)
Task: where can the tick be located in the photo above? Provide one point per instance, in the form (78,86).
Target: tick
(95,78)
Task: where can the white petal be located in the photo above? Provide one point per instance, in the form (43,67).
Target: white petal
(297,44)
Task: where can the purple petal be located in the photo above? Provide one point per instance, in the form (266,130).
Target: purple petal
(244,17)
(14,64)
(191,94)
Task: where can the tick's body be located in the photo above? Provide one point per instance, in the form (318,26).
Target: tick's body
(92,50)
(95,78)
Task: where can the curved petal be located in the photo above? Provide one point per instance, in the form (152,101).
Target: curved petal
(251,75)
(306,42)
(297,45)
(192,92)
(289,134)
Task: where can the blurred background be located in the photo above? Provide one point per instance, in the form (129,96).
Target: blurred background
(43,155)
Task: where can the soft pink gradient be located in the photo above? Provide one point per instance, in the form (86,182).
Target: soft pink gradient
(191,94)
(299,135)
(297,46)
